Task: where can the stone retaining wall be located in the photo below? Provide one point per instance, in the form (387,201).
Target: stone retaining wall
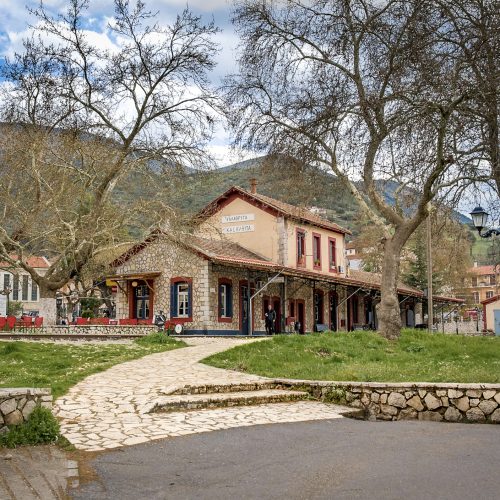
(407,401)
(16,405)
(464,327)
(92,330)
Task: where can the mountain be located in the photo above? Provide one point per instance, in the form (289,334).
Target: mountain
(316,189)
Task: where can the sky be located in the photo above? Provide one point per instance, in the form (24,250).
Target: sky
(15,20)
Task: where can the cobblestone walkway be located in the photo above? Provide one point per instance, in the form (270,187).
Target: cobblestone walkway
(110,409)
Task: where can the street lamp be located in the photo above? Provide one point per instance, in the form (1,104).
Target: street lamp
(479,219)
(6,291)
(477,318)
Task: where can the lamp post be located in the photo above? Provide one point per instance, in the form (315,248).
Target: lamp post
(6,291)
(479,219)
(477,318)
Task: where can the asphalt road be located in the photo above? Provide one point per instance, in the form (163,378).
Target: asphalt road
(330,459)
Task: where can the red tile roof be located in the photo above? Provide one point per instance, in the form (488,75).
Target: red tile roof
(207,247)
(36,261)
(483,270)
(280,207)
(223,248)
(490,300)
(231,254)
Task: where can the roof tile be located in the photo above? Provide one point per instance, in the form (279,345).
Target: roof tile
(35,261)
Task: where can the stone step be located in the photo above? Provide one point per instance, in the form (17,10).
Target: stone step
(183,402)
(220,388)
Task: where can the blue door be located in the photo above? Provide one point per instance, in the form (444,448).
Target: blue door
(496,315)
(244,323)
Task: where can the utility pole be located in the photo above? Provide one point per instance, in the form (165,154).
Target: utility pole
(430,303)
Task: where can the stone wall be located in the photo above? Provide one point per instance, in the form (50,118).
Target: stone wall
(170,261)
(16,405)
(407,401)
(89,330)
(464,327)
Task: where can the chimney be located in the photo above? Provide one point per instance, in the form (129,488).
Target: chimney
(475,263)
(253,186)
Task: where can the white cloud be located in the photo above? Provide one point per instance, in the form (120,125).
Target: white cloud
(15,22)
(203,5)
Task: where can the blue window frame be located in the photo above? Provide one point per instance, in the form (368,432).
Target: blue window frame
(181,299)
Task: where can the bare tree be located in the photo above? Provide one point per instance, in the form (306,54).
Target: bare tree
(367,90)
(83,119)
(475,32)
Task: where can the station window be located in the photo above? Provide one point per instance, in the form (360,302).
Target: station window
(181,299)
(225,300)
(301,247)
(317,251)
(332,254)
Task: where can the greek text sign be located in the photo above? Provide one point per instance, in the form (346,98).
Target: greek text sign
(244,228)
(227,219)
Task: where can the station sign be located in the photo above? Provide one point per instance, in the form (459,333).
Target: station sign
(243,228)
(228,219)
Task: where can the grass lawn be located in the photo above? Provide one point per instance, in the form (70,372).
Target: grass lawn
(417,356)
(60,366)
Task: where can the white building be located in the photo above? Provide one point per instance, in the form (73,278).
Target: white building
(21,287)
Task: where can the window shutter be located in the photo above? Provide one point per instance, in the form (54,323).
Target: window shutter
(229,299)
(190,300)
(173,300)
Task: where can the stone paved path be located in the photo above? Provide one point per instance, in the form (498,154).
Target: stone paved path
(110,409)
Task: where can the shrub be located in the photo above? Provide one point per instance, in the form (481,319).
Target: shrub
(41,428)
(155,338)
(90,306)
(14,308)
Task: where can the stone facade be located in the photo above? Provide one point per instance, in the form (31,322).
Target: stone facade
(405,401)
(16,405)
(240,240)
(170,261)
(173,261)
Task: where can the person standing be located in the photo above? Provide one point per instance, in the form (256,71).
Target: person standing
(270,319)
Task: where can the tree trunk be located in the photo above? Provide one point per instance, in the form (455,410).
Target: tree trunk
(389,312)
(48,308)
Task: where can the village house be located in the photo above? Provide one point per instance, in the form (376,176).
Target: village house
(483,284)
(249,251)
(491,314)
(17,286)
(354,256)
